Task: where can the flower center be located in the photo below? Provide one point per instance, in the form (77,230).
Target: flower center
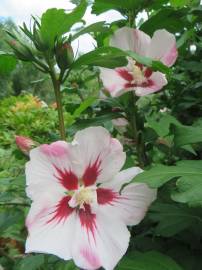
(138,74)
(84,195)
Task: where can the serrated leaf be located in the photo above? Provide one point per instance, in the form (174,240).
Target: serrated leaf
(151,260)
(167,18)
(161,123)
(7,63)
(56,22)
(160,174)
(189,184)
(172,218)
(184,135)
(104,57)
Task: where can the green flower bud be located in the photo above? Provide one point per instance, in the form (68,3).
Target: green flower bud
(23,52)
(64,55)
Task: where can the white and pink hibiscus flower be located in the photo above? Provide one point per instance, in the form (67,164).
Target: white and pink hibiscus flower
(80,209)
(135,76)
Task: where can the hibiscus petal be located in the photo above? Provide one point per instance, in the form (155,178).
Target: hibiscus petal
(48,232)
(163,47)
(131,39)
(158,81)
(100,157)
(122,178)
(103,248)
(132,204)
(134,200)
(51,164)
(112,81)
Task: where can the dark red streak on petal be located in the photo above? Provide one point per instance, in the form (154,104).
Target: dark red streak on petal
(88,219)
(67,178)
(106,196)
(125,74)
(91,173)
(148,83)
(62,211)
(148,72)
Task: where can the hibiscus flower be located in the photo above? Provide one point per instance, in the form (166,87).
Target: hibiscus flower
(80,209)
(135,76)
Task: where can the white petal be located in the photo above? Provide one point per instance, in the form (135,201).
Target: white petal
(131,39)
(106,248)
(95,147)
(112,81)
(122,178)
(159,81)
(42,172)
(134,199)
(137,198)
(53,237)
(163,47)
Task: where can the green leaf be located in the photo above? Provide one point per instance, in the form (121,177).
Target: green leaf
(83,106)
(151,260)
(104,57)
(31,262)
(184,135)
(187,35)
(180,3)
(95,27)
(94,121)
(66,266)
(172,218)
(56,22)
(7,63)
(100,6)
(160,174)
(8,219)
(161,123)
(167,18)
(189,184)
(189,187)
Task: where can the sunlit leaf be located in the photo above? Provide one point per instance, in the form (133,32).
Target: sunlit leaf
(56,22)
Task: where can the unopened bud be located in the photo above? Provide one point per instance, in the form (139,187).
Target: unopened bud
(23,52)
(64,55)
(25,144)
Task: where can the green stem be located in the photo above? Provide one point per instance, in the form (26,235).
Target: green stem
(56,85)
(132,117)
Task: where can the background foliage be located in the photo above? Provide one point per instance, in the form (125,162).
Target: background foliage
(170,237)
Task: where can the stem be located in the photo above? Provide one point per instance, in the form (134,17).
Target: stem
(56,85)
(132,114)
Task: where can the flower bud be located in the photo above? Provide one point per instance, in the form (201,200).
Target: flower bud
(23,52)
(64,55)
(25,144)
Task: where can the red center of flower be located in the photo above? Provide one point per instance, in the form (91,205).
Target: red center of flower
(136,75)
